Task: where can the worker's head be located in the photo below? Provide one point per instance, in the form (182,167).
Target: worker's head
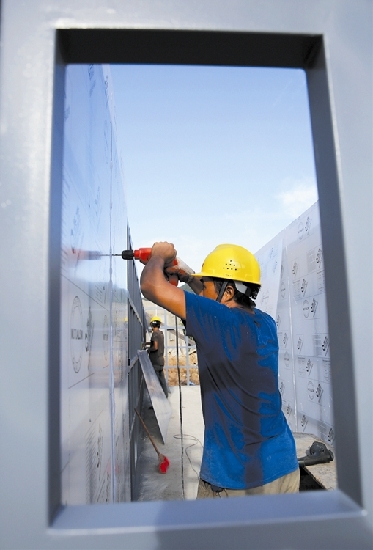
(155,322)
(233,271)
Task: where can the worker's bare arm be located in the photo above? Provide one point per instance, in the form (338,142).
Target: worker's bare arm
(154,285)
(196,285)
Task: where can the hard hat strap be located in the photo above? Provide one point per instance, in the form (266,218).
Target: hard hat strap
(222,290)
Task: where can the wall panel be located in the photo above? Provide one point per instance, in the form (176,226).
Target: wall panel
(293,293)
(94,363)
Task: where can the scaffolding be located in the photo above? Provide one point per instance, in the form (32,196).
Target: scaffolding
(179,349)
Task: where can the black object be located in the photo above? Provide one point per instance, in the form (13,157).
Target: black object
(214,488)
(126,254)
(316,454)
(308,482)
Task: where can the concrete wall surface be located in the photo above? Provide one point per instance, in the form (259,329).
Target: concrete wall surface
(332,41)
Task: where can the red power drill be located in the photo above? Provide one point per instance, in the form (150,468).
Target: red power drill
(143,254)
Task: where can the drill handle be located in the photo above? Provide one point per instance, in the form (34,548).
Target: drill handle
(143,254)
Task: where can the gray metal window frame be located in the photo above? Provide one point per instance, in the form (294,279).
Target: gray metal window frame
(136,384)
(332,41)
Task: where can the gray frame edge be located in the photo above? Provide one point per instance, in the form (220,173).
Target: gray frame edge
(26,175)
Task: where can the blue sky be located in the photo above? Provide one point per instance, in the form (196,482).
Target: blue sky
(213,154)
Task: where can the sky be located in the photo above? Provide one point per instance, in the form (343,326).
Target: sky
(213,155)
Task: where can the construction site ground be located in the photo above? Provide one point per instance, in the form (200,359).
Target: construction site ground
(183,451)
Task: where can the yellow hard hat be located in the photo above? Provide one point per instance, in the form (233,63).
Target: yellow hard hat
(230,261)
(155,319)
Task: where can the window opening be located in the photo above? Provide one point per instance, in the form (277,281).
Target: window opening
(199,156)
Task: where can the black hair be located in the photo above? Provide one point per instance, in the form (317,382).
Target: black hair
(155,324)
(243,299)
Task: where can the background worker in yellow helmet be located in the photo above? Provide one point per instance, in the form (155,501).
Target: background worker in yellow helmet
(248,446)
(156,351)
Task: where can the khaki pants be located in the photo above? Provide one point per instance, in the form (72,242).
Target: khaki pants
(285,484)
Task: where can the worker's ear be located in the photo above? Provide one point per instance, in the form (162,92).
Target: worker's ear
(229,292)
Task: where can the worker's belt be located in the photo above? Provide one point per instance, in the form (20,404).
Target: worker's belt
(214,488)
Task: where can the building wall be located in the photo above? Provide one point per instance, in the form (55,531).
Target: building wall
(293,293)
(94,316)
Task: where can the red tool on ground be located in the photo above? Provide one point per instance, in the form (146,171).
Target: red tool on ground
(163,462)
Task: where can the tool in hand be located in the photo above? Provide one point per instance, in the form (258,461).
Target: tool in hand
(143,254)
(163,462)
(177,271)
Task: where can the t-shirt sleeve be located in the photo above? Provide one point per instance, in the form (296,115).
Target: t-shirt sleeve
(155,338)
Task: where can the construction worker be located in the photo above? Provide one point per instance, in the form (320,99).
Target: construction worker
(248,446)
(156,351)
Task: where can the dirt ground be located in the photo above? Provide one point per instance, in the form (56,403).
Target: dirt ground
(173,360)
(173,379)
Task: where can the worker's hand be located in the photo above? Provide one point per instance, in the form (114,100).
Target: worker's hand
(164,250)
(182,270)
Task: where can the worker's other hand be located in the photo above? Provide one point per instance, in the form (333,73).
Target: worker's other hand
(182,270)
(164,250)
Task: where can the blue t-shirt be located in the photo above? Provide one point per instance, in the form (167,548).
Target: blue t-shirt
(247,440)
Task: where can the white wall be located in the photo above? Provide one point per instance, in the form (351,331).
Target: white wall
(293,293)
(94,415)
